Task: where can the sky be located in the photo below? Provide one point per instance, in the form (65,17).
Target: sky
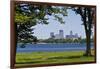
(72,23)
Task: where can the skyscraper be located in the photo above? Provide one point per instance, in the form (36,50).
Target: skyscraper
(72,36)
(61,34)
(76,35)
(71,33)
(52,35)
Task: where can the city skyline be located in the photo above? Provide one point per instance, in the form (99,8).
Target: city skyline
(72,22)
(61,33)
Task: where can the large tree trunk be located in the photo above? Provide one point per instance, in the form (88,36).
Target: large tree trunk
(87,18)
(88,33)
(88,44)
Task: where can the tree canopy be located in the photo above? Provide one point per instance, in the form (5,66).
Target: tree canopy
(28,15)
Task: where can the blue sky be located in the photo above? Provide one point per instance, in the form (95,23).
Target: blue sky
(72,22)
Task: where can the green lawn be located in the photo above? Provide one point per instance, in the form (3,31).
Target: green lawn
(51,57)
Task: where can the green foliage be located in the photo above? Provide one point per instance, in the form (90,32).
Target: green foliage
(26,12)
(86,13)
(19,18)
(28,15)
(50,40)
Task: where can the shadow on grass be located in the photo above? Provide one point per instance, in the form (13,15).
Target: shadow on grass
(29,59)
(29,62)
(50,59)
(34,62)
(72,57)
(67,57)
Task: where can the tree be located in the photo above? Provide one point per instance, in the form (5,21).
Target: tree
(87,15)
(28,15)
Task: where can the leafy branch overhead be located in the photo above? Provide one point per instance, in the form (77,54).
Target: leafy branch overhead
(37,14)
(28,15)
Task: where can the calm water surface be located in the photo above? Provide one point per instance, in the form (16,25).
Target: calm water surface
(52,47)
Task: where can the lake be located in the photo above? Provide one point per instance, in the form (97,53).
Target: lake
(52,47)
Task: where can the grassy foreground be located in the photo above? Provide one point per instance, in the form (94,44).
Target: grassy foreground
(51,57)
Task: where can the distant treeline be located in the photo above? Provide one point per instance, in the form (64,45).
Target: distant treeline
(50,40)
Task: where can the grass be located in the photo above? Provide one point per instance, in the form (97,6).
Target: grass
(52,57)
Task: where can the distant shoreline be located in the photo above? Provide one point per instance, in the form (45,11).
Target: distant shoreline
(58,43)
(55,43)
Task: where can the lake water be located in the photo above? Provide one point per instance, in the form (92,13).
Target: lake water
(52,47)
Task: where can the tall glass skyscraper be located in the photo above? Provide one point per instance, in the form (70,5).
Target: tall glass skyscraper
(61,34)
